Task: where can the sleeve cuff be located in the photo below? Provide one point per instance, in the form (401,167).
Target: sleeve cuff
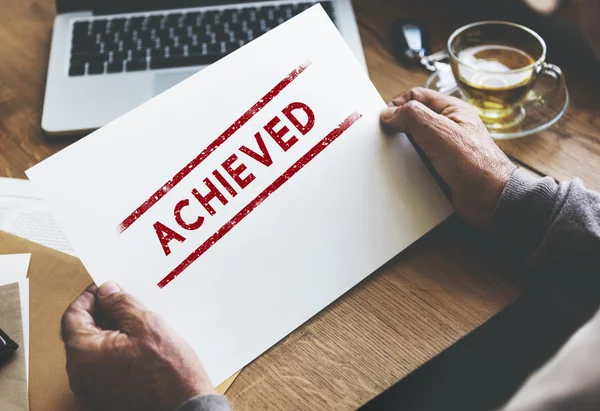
(524,211)
(211,402)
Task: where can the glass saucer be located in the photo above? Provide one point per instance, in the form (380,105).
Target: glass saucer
(540,113)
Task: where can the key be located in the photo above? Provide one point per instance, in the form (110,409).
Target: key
(155,21)
(136,65)
(138,54)
(83,37)
(199,49)
(135,23)
(176,51)
(118,56)
(190,19)
(180,32)
(111,46)
(173,19)
(114,67)
(99,26)
(85,48)
(96,67)
(117,25)
(157,53)
(81,27)
(77,69)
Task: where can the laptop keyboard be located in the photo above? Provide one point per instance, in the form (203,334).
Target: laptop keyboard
(175,39)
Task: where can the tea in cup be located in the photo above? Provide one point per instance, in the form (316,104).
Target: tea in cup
(495,65)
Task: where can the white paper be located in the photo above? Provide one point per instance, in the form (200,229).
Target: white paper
(13,269)
(23,214)
(24,293)
(355,205)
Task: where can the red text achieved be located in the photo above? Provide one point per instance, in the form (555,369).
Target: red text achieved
(216,188)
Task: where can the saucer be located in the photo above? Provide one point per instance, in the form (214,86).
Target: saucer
(539,114)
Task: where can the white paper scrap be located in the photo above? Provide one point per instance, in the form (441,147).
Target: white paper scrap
(13,269)
(24,214)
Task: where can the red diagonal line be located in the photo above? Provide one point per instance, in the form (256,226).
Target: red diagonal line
(289,173)
(259,105)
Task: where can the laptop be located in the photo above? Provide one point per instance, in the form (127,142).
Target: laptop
(109,56)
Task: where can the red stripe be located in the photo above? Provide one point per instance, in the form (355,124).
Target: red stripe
(212,147)
(297,166)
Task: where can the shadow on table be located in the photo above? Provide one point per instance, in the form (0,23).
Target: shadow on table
(485,368)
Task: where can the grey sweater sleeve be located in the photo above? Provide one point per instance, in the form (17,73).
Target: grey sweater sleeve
(556,226)
(212,402)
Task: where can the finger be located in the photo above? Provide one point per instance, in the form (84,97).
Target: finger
(436,101)
(127,313)
(411,117)
(78,319)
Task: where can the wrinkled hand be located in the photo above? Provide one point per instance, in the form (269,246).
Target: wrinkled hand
(459,147)
(121,356)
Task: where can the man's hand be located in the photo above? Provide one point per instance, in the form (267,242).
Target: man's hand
(121,356)
(459,147)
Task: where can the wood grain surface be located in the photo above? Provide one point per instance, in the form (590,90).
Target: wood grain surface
(419,303)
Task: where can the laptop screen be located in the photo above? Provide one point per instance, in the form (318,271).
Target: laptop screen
(123,6)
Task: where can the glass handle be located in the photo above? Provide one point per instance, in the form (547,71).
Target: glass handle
(553,71)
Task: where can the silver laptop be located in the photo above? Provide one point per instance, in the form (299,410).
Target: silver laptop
(109,56)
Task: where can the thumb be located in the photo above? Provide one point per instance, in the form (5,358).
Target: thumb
(123,311)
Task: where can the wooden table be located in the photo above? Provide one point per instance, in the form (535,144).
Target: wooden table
(422,301)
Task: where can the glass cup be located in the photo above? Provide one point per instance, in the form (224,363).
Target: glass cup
(495,65)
